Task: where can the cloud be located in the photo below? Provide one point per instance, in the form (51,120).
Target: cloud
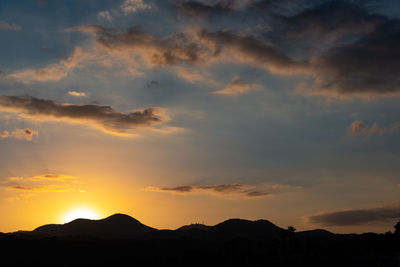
(237,88)
(228,190)
(332,20)
(196,46)
(52,72)
(87,29)
(199,9)
(5,26)
(250,50)
(76,93)
(22,134)
(41,188)
(132,6)
(44,183)
(354,52)
(345,49)
(358,127)
(48,177)
(356,216)
(105,15)
(366,67)
(104,118)
(169,50)
(93,56)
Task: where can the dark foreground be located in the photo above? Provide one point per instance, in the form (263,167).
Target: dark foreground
(231,243)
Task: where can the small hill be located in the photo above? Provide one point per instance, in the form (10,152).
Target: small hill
(232,228)
(115,226)
(245,228)
(317,233)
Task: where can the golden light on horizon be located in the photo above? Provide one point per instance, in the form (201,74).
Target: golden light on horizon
(80,213)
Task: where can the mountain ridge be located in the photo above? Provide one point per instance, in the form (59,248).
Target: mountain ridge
(124,226)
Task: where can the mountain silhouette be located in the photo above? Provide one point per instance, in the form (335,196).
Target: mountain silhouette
(246,228)
(124,226)
(114,226)
(121,239)
(197,226)
(232,228)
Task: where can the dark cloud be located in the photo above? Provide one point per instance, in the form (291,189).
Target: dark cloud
(332,20)
(169,50)
(245,48)
(181,189)
(199,9)
(195,47)
(239,190)
(355,51)
(103,117)
(368,66)
(356,217)
(152,83)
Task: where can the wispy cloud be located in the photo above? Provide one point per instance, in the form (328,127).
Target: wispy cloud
(22,134)
(356,216)
(358,127)
(5,26)
(225,190)
(45,183)
(100,117)
(237,88)
(52,72)
(105,15)
(76,93)
(133,6)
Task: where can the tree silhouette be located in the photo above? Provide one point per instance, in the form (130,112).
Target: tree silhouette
(397,228)
(291,230)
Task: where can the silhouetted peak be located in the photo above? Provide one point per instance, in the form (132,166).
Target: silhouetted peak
(119,217)
(79,220)
(246,228)
(242,222)
(117,225)
(197,226)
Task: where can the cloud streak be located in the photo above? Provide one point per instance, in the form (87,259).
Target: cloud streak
(5,26)
(224,190)
(237,88)
(76,93)
(358,128)
(22,134)
(356,216)
(44,183)
(100,117)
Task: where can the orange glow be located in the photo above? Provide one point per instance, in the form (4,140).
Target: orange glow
(81,213)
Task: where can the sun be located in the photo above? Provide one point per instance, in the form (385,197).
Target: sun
(81,213)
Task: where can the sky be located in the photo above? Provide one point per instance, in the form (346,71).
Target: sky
(196,111)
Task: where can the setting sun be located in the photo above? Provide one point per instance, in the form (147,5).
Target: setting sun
(80,214)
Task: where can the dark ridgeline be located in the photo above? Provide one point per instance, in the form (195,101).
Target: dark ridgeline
(115,226)
(121,240)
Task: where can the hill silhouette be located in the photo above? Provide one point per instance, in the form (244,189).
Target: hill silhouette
(124,226)
(114,226)
(120,240)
